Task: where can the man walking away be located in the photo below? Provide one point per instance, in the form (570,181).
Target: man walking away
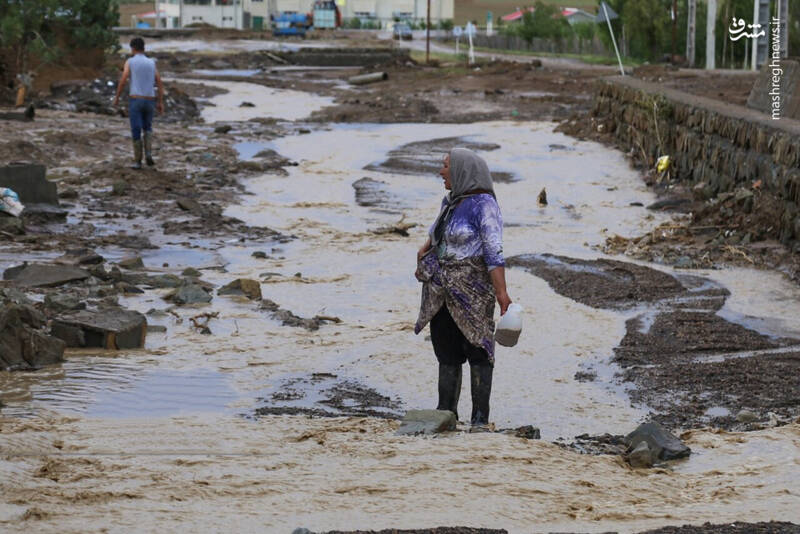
(141,100)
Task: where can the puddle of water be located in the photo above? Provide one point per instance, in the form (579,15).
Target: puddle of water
(248,149)
(113,388)
(268,102)
(244,73)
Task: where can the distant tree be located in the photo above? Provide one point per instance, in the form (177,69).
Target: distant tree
(446,24)
(585,32)
(40,28)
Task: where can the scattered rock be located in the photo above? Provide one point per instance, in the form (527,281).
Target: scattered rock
(189,294)
(641,456)
(542,198)
(136,242)
(156,328)
(111,329)
(61,302)
(133,262)
(223,129)
(663,444)
(81,256)
(288,318)
(528,432)
(417,422)
(23,342)
(746,416)
(191,271)
(43,275)
(259,255)
(242,286)
(11,225)
(247,105)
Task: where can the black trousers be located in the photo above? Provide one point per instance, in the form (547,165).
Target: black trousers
(449,343)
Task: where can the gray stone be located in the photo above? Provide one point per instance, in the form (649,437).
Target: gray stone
(746,416)
(418,422)
(189,294)
(43,275)
(663,444)
(242,286)
(641,456)
(80,256)
(133,262)
(156,328)
(11,225)
(191,271)
(301,530)
(72,336)
(29,182)
(111,329)
(61,302)
(23,343)
(684,262)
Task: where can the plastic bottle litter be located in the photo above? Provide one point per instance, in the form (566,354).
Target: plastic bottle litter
(510,326)
(9,202)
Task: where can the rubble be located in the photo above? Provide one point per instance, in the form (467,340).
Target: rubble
(24,342)
(43,275)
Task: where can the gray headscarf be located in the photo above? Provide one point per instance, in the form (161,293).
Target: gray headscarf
(468,172)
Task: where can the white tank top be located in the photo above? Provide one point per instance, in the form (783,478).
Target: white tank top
(143,75)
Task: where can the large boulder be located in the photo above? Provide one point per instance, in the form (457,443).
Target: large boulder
(111,329)
(662,444)
(417,422)
(43,275)
(23,342)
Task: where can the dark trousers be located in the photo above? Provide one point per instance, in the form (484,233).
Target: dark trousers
(450,345)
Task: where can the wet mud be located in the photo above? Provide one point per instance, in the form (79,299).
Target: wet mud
(425,157)
(690,366)
(328,395)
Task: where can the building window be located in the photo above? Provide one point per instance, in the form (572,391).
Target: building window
(197,2)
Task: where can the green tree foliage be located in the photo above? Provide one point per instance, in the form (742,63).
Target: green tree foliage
(585,31)
(545,22)
(43,28)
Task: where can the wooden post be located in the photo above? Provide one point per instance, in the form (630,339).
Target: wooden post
(691,30)
(428,36)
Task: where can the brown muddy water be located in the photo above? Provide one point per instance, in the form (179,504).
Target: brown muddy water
(166,438)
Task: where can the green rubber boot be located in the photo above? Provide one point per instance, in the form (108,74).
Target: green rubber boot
(148,149)
(449,388)
(137,154)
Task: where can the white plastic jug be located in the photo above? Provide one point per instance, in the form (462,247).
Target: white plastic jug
(510,326)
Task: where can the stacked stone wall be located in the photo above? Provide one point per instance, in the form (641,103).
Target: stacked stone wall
(713,146)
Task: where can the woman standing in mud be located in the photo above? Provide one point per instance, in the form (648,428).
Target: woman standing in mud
(462,271)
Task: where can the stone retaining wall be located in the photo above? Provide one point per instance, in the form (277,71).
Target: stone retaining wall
(713,146)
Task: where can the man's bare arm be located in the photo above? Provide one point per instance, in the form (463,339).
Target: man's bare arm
(126,72)
(160,85)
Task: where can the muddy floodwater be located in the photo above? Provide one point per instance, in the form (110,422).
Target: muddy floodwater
(211,432)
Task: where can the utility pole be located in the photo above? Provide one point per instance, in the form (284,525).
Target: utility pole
(674,28)
(691,30)
(428,36)
(783,14)
(711,25)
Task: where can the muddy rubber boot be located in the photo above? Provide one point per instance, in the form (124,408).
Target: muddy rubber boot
(449,387)
(481,389)
(137,154)
(148,149)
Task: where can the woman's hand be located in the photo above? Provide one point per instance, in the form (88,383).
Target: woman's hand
(504,301)
(498,277)
(423,249)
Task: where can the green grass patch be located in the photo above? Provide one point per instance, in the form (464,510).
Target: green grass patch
(591,59)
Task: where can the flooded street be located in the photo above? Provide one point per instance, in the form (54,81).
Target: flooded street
(219,430)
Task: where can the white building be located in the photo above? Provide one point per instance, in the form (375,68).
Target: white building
(383,11)
(219,13)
